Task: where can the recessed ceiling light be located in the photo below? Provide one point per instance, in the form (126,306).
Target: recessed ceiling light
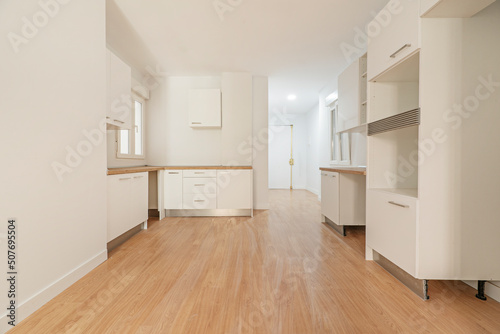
(291,97)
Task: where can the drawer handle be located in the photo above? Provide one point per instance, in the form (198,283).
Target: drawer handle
(199,172)
(399,50)
(199,185)
(397,204)
(199,200)
(173,172)
(125,178)
(138,177)
(195,122)
(333,175)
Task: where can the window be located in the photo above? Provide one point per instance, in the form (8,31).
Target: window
(340,147)
(131,142)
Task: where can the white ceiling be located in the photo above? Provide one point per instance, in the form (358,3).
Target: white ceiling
(296,43)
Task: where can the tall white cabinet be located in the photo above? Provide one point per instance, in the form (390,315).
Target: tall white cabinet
(432,190)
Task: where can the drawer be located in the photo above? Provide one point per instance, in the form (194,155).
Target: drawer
(199,201)
(391,227)
(199,185)
(200,173)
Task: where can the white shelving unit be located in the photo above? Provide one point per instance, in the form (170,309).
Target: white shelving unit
(431,190)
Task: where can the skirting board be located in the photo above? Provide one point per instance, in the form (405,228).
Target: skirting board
(41,298)
(418,286)
(490,290)
(209,213)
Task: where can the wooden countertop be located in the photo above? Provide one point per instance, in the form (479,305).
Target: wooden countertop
(141,169)
(346,170)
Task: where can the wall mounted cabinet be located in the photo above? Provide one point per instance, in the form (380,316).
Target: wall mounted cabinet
(119,98)
(205,108)
(398,38)
(352,100)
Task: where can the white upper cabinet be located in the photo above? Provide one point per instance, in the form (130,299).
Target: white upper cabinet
(395,35)
(205,108)
(351,110)
(119,99)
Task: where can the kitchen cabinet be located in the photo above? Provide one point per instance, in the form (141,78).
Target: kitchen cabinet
(119,99)
(127,202)
(172,189)
(392,228)
(199,191)
(427,209)
(395,37)
(208,192)
(234,189)
(205,108)
(343,198)
(352,99)
(330,196)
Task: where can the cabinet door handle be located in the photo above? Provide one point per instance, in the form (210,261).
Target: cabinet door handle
(199,200)
(195,122)
(399,50)
(199,185)
(333,175)
(138,177)
(117,120)
(397,204)
(174,173)
(199,172)
(124,178)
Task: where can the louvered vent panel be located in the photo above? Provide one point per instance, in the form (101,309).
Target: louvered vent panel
(399,121)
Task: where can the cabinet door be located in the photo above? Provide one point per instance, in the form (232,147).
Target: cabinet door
(139,199)
(391,227)
(204,108)
(119,100)
(330,196)
(234,189)
(349,94)
(172,189)
(398,27)
(118,199)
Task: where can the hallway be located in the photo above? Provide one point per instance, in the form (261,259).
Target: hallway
(281,271)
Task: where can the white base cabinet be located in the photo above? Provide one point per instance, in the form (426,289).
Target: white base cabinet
(127,199)
(343,198)
(172,189)
(209,192)
(234,189)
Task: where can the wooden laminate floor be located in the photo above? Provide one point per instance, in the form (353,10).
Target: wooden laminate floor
(280,272)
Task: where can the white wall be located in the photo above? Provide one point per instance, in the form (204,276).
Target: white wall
(172,142)
(318,140)
(54,88)
(260,144)
(111,136)
(313,140)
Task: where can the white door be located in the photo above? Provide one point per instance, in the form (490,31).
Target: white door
(279,157)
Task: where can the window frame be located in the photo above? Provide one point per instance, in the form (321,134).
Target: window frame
(337,139)
(131,139)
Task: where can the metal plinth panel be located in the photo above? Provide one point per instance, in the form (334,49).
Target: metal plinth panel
(209,213)
(418,286)
(340,229)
